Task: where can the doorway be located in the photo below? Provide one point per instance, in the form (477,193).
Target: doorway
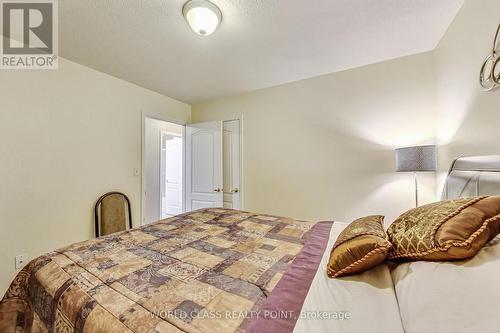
(189,167)
(171,175)
(163,176)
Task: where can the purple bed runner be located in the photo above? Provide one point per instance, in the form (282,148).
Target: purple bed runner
(280,311)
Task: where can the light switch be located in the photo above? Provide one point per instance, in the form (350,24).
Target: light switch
(21,260)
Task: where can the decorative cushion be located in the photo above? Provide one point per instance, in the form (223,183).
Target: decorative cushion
(362,245)
(446,230)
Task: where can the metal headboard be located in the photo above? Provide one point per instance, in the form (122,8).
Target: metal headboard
(473,176)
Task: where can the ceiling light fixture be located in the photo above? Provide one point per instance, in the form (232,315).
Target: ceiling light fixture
(202,15)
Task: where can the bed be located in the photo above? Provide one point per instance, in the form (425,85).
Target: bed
(220,270)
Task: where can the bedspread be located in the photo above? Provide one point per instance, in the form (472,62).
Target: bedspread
(204,271)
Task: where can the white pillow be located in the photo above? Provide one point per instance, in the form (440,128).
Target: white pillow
(454,297)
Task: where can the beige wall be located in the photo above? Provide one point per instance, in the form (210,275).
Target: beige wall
(323,148)
(67,136)
(469,119)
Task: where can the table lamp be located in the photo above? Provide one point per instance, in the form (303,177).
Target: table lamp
(416,159)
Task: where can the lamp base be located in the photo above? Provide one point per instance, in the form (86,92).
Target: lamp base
(416,190)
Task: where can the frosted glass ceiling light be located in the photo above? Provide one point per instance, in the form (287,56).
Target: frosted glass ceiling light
(202,15)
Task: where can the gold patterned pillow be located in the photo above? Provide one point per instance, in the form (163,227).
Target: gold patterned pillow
(362,245)
(446,230)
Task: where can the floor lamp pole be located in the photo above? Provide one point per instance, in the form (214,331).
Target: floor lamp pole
(416,190)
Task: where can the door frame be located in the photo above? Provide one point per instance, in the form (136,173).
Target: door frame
(161,117)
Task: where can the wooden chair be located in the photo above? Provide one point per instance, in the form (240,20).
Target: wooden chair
(112,214)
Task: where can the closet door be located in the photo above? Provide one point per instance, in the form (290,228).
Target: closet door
(204,165)
(231,158)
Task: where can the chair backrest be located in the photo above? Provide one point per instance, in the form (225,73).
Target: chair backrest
(112,214)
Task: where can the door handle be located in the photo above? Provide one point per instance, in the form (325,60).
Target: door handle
(236,190)
(217,190)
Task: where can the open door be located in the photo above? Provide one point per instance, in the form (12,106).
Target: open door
(204,165)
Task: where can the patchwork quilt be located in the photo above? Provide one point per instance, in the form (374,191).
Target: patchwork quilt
(205,271)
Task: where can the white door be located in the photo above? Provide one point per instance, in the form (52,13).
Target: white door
(231,153)
(172,179)
(204,165)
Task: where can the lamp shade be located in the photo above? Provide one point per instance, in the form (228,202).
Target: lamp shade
(414,159)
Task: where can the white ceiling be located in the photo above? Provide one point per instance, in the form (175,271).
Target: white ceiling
(260,43)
